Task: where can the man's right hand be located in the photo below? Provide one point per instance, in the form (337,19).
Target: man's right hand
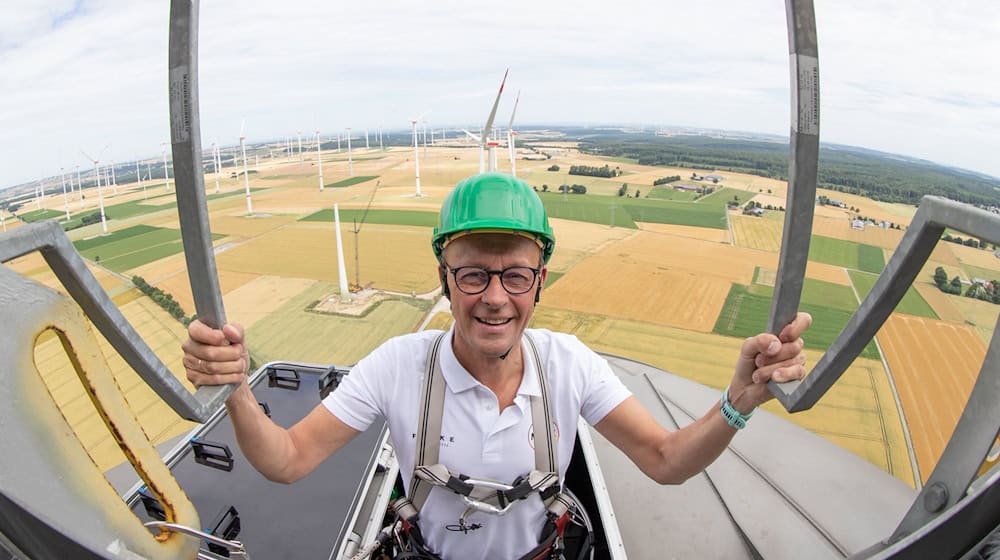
(214,356)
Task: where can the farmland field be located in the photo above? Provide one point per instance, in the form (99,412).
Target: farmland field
(40,214)
(694,232)
(846,254)
(857,414)
(912,303)
(293,333)
(980,315)
(351,181)
(755,233)
(745,314)
(377,216)
(668,193)
(133,247)
(934,365)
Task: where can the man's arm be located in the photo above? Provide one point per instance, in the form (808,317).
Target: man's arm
(673,457)
(216,357)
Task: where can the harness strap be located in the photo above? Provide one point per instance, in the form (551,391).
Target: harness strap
(428,472)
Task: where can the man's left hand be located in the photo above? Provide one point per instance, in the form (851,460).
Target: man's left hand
(765,357)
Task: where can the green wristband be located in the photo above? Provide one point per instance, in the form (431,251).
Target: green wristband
(733,417)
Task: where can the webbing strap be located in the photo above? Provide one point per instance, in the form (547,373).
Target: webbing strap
(428,472)
(430,413)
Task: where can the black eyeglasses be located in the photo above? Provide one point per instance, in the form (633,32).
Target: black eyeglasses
(474,280)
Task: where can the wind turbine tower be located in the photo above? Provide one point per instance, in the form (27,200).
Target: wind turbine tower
(79,185)
(138,176)
(350,162)
(301,157)
(416,155)
(366,140)
(215,165)
(246,176)
(166,174)
(100,196)
(341,269)
(510,136)
(62,178)
(492,144)
(114,179)
(319,159)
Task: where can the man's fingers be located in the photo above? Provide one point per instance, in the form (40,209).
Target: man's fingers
(233,333)
(202,379)
(794,330)
(787,370)
(788,350)
(763,343)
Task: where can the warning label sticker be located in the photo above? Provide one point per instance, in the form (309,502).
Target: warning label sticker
(805,94)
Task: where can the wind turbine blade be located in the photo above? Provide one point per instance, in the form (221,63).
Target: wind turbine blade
(510,125)
(242,126)
(473,136)
(493,112)
(90,159)
(422,115)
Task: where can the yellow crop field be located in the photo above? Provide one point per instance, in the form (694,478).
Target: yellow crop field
(943,304)
(158,421)
(867,206)
(934,365)
(755,233)
(248,227)
(575,241)
(976,257)
(293,333)
(259,298)
(857,414)
(982,315)
(395,258)
(840,228)
(658,294)
(694,232)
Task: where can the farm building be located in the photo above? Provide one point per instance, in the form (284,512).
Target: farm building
(686,187)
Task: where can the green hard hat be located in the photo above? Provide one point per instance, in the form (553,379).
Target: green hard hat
(494,202)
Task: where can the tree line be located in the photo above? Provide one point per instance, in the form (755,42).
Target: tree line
(855,171)
(164,300)
(593,171)
(985,291)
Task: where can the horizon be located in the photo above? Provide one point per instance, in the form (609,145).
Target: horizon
(893,79)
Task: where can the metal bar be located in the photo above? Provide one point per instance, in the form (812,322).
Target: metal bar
(71,270)
(189,177)
(802,169)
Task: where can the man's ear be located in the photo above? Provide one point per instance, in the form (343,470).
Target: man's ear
(444,282)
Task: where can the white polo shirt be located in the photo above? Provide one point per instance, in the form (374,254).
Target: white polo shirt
(476,439)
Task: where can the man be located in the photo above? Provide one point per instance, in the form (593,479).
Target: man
(492,245)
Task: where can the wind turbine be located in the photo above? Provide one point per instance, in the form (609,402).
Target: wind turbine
(100,196)
(366,140)
(246,176)
(79,185)
(319,159)
(215,165)
(166,174)
(511,134)
(301,158)
(484,138)
(114,179)
(62,179)
(416,151)
(350,163)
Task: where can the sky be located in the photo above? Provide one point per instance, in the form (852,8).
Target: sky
(916,78)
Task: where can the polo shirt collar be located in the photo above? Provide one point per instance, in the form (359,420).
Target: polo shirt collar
(458,379)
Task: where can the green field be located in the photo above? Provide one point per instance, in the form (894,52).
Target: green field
(351,181)
(293,333)
(552,277)
(849,255)
(40,214)
(745,314)
(668,193)
(375,216)
(911,304)
(722,196)
(816,292)
(624,212)
(979,272)
(132,247)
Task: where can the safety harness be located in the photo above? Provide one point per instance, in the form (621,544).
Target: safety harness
(482,494)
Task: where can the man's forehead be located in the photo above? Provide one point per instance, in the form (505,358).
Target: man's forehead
(493,244)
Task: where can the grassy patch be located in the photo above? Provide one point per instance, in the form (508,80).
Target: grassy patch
(722,196)
(846,254)
(553,277)
(745,314)
(624,212)
(40,214)
(871,258)
(667,193)
(911,304)
(351,181)
(816,292)
(390,217)
(132,247)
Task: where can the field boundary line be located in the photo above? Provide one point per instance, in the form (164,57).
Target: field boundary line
(917,480)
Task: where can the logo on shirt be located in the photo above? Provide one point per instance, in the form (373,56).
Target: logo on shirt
(446,441)
(531,434)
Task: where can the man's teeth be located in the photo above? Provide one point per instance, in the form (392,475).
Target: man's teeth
(494,321)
